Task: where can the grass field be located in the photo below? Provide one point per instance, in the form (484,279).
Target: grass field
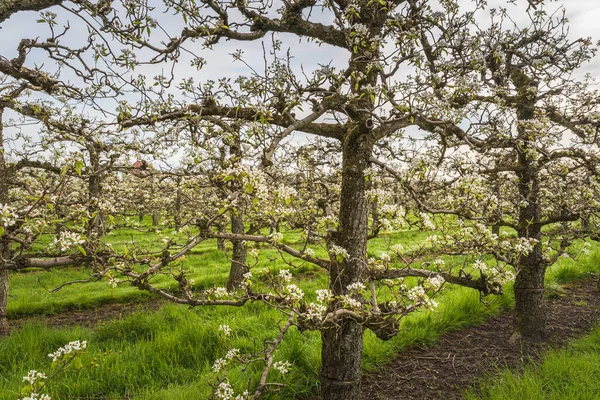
(169,353)
(570,373)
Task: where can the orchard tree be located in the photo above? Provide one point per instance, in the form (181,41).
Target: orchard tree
(365,99)
(530,142)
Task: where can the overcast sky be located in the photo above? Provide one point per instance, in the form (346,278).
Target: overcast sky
(584,16)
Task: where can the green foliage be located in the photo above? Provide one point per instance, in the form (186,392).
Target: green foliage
(169,353)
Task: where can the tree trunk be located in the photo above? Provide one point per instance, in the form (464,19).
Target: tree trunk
(3,299)
(221,242)
(496,230)
(178,204)
(341,352)
(530,314)
(585,221)
(238,259)
(5,250)
(155,218)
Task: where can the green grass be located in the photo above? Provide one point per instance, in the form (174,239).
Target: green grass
(169,353)
(570,373)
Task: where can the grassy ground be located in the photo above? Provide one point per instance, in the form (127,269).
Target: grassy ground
(570,373)
(169,353)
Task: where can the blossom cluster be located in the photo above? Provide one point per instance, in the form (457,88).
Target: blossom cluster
(224,391)
(71,347)
(8,215)
(66,241)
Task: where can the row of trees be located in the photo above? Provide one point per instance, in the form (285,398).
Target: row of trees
(507,139)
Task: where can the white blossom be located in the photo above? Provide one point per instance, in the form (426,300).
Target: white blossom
(481,266)
(220,292)
(295,292)
(356,287)
(33,376)
(315,311)
(225,329)
(285,275)
(224,391)
(385,257)
(67,240)
(397,248)
(232,354)
(276,237)
(282,366)
(339,252)
(8,215)
(349,301)
(219,364)
(435,282)
(323,295)
(68,349)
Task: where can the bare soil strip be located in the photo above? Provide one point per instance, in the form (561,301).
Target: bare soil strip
(89,317)
(461,358)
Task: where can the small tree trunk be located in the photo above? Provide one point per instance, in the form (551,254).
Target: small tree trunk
(95,224)
(3,299)
(530,314)
(585,221)
(141,217)
(221,242)
(155,218)
(5,250)
(178,204)
(238,259)
(496,230)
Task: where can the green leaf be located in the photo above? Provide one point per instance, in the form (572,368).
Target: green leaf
(78,166)
(1,230)
(82,250)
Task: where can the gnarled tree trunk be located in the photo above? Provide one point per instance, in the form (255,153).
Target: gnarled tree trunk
(530,315)
(341,352)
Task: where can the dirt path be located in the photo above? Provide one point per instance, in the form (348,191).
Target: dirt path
(90,317)
(460,358)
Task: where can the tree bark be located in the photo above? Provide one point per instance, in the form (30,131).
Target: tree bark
(95,224)
(155,218)
(178,205)
(341,352)
(221,242)
(4,246)
(238,258)
(10,7)
(530,314)
(3,299)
